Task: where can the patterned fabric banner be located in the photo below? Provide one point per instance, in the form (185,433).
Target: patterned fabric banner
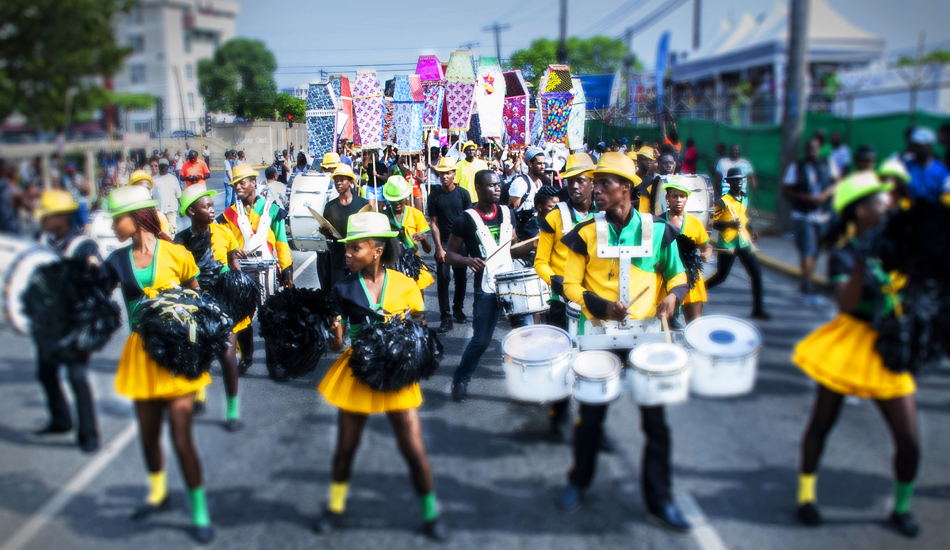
(490,97)
(434,97)
(389,128)
(321,119)
(368,104)
(557,111)
(408,123)
(575,124)
(516,120)
(459,90)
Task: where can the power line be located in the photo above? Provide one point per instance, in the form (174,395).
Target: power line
(654,16)
(496,28)
(614,17)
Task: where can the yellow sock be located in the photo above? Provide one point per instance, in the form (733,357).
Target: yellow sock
(201,394)
(158,488)
(338,497)
(806,488)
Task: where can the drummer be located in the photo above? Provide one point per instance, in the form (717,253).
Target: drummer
(594,282)
(552,254)
(197,202)
(690,226)
(57,214)
(487,229)
(408,221)
(243,218)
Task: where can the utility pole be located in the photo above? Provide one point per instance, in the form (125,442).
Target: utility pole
(496,28)
(793,114)
(697,18)
(562,45)
(628,68)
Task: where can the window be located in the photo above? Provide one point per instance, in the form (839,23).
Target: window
(193,126)
(137,42)
(190,72)
(137,74)
(191,101)
(187,41)
(143,126)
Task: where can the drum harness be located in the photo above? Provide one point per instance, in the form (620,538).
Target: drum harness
(256,241)
(495,261)
(624,253)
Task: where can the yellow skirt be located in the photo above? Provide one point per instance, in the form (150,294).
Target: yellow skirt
(241,326)
(425,279)
(697,294)
(841,357)
(341,389)
(141,378)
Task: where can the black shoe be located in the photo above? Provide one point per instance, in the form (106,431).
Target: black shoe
(52,429)
(233,425)
(607,443)
(808,514)
(278,375)
(674,324)
(669,517)
(89,445)
(905,524)
(244,366)
(460,318)
(570,498)
(459,391)
(556,433)
(444,327)
(436,530)
(761,316)
(326,523)
(202,535)
(147,510)
(199,408)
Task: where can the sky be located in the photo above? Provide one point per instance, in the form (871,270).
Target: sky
(343,37)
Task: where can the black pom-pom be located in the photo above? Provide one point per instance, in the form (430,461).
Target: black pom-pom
(920,335)
(184,331)
(296,323)
(388,356)
(689,255)
(200,247)
(237,293)
(71,313)
(409,264)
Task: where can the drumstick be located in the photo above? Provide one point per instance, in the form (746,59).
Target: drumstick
(522,243)
(666,330)
(638,296)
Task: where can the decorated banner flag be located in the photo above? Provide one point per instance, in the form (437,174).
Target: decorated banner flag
(459,90)
(408,113)
(515,111)
(490,97)
(575,124)
(432,78)
(321,119)
(556,100)
(344,106)
(368,107)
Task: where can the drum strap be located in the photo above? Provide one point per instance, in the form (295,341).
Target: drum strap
(500,262)
(567,223)
(256,240)
(624,253)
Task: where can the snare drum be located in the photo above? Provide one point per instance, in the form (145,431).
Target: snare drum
(659,374)
(521,292)
(573,320)
(597,377)
(537,363)
(19,259)
(266,273)
(309,191)
(725,355)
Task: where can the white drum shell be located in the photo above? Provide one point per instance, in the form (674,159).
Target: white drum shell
(308,191)
(521,292)
(538,381)
(724,375)
(100,229)
(573,320)
(598,390)
(19,259)
(657,387)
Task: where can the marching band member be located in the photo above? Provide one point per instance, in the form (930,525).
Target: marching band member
(445,204)
(337,212)
(618,265)
(408,221)
(258,226)
(487,233)
(368,295)
(151,264)
(57,211)
(690,226)
(197,202)
(842,358)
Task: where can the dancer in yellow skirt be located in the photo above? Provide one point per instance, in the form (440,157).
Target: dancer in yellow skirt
(841,356)
(197,202)
(367,295)
(689,225)
(152,264)
(409,221)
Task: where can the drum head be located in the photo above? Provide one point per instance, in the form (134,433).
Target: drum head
(536,343)
(723,336)
(516,274)
(19,279)
(659,358)
(597,365)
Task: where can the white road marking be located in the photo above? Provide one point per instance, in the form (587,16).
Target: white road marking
(306,264)
(65,495)
(703,532)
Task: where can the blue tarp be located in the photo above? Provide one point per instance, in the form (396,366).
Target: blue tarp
(597,89)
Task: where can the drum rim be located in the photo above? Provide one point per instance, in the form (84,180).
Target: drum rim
(12,320)
(643,370)
(510,275)
(614,374)
(755,330)
(518,331)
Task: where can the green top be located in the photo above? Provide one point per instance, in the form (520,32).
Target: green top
(667,257)
(145,277)
(355,327)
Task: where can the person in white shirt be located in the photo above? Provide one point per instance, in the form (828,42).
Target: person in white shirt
(229,198)
(272,187)
(734,160)
(167,191)
(840,154)
(523,188)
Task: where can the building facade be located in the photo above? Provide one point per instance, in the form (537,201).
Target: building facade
(169,38)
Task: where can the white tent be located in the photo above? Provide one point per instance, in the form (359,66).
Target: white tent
(763,41)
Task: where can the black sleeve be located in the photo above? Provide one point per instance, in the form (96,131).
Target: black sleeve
(573,239)
(596,305)
(669,232)
(543,224)
(557,284)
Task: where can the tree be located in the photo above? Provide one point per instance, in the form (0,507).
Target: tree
(51,52)
(286,104)
(595,55)
(239,79)
(936,56)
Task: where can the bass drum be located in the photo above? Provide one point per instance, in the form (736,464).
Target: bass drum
(309,191)
(19,259)
(100,229)
(700,202)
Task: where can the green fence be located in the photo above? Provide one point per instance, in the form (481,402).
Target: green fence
(762,144)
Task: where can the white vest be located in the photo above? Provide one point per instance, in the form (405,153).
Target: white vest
(256,240)
(499,261)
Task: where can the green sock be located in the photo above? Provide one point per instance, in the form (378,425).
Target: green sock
(430,508)
(232,413)
(902,494)
(199,507)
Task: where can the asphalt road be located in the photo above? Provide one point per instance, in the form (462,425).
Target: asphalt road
(735,461)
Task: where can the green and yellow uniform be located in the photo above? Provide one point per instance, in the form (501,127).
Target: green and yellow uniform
(222,243)
(733,209)
(551,255)
(413,221)
(276,238)
(694,230)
